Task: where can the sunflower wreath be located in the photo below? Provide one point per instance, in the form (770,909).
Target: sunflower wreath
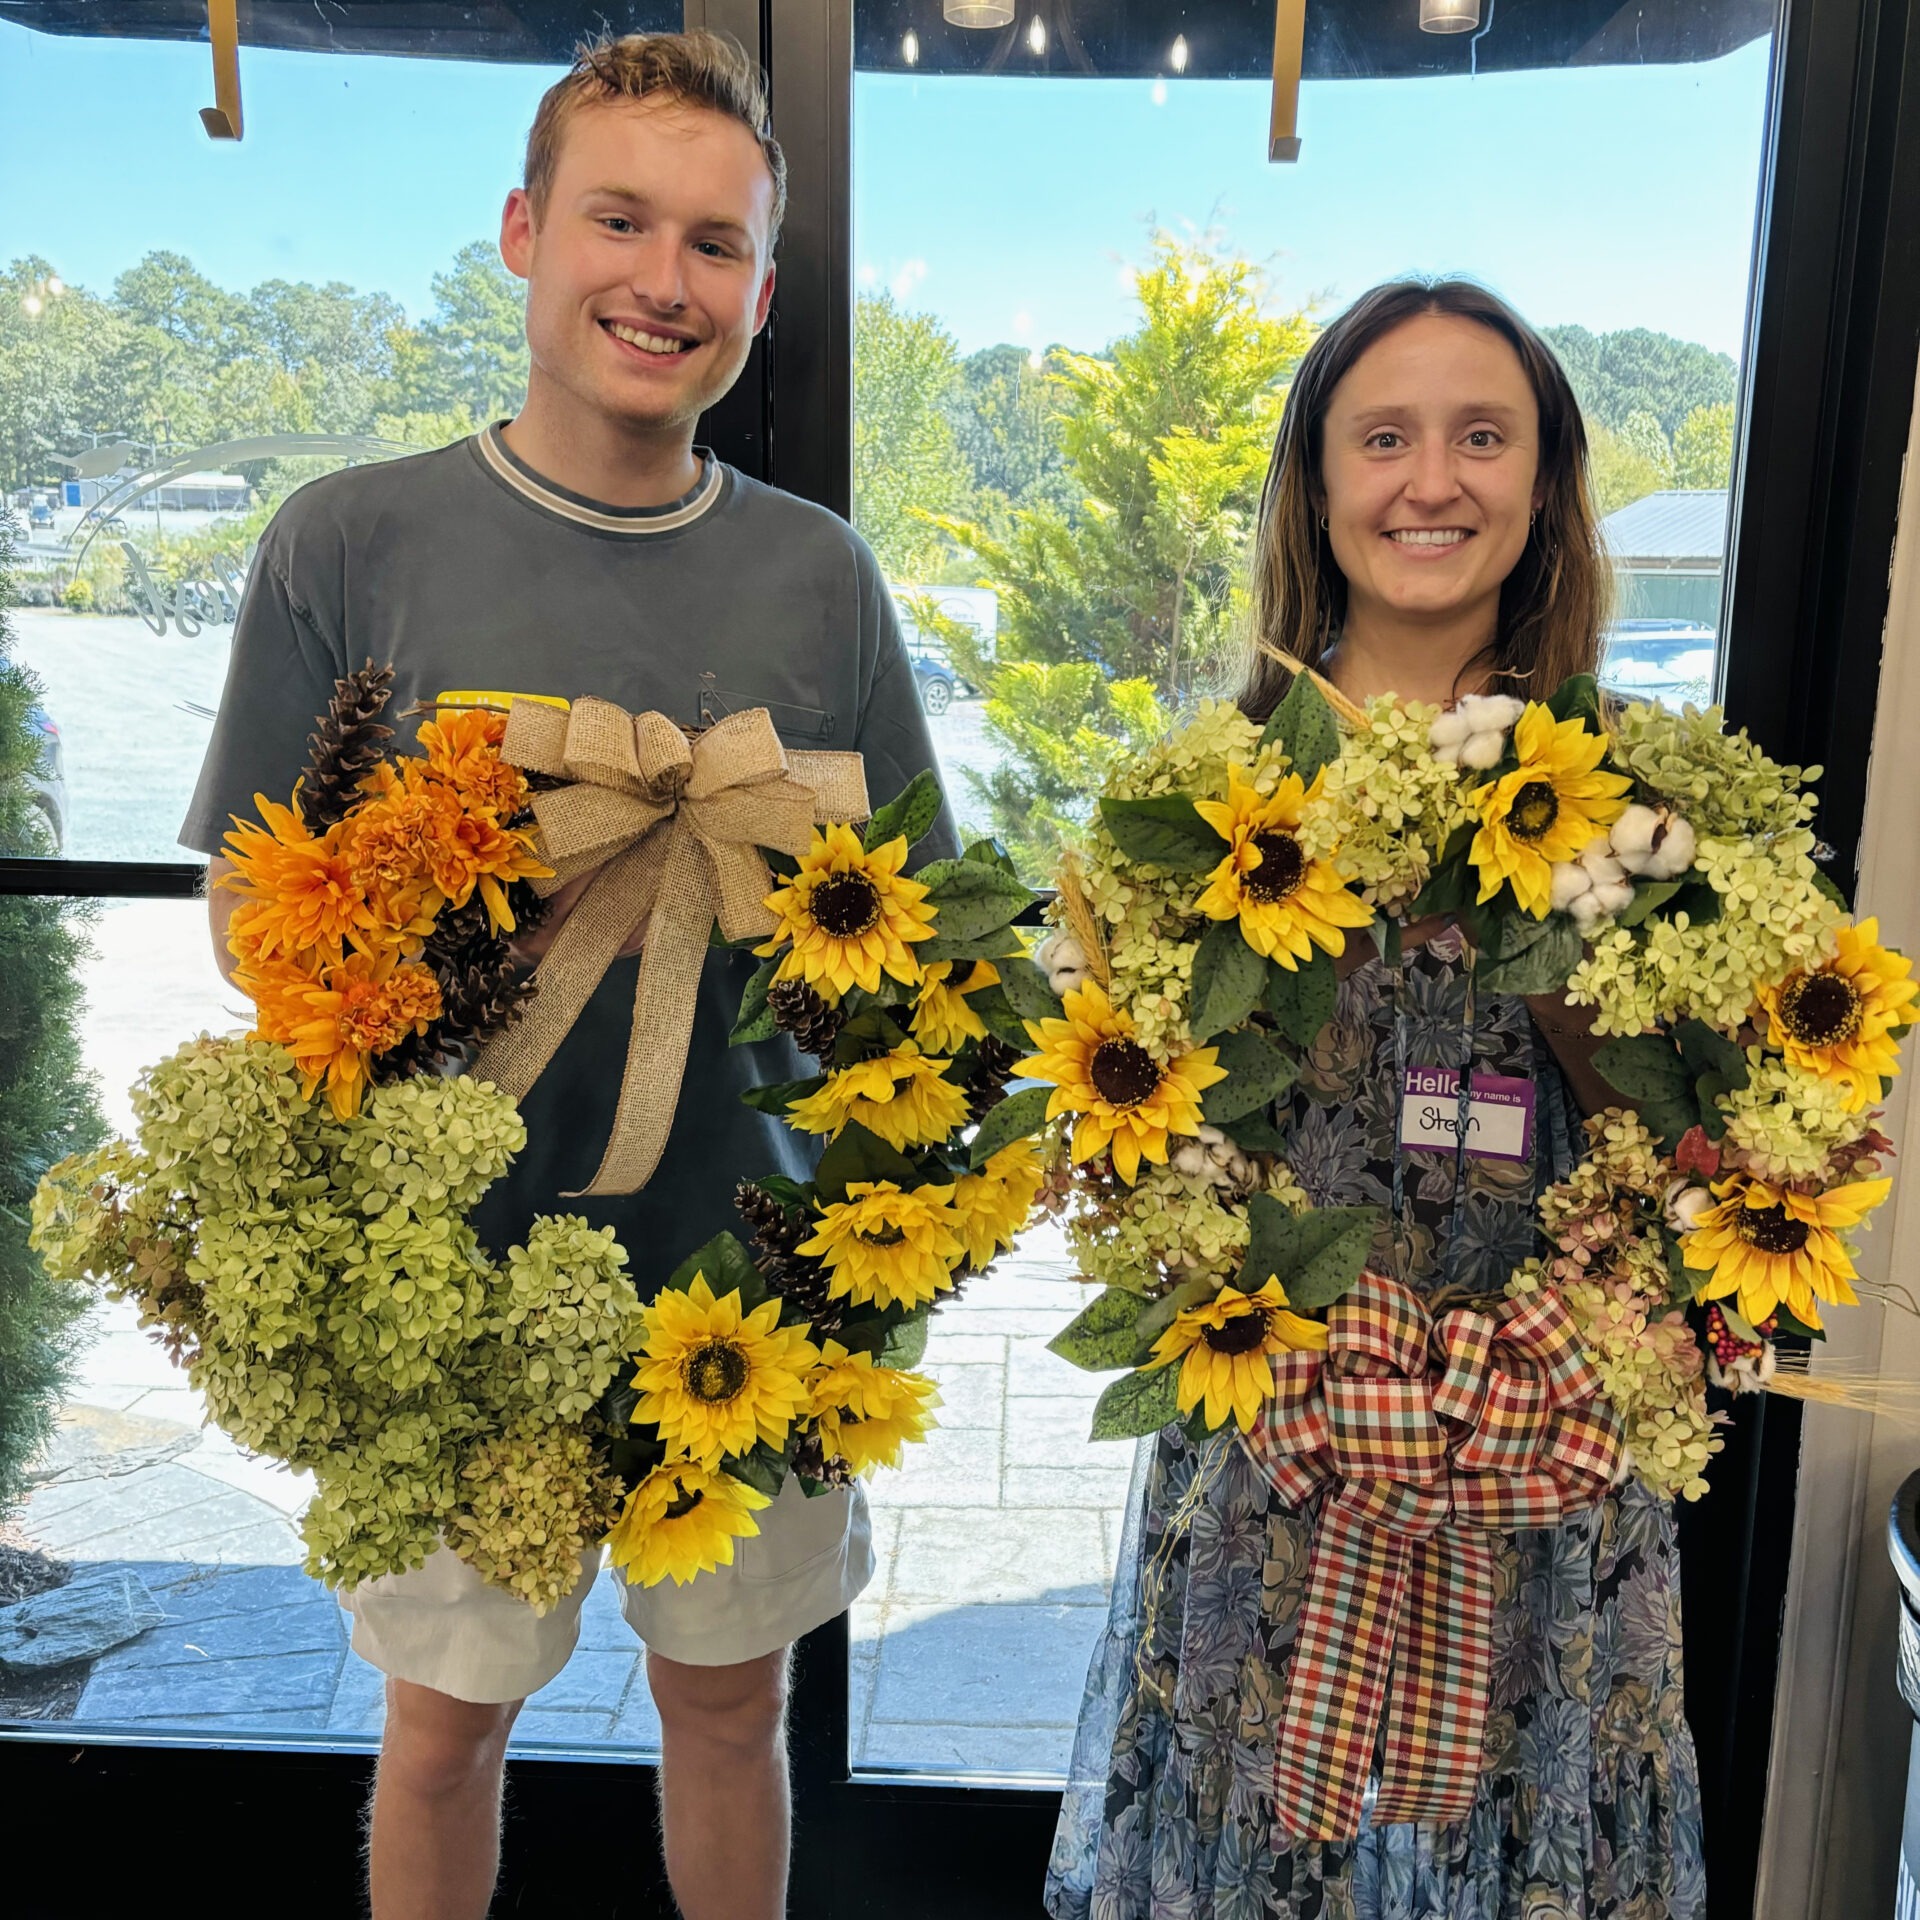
(1645,863)
(792,1351)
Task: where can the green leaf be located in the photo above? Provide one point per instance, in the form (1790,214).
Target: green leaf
(1301,999)
(1577,698)
(1542,966)
(1259,1071)
(1706,1050)
(990,852)
(1161,1313)
(727,1265)
(1642,1068)
(1136,1404)
(1105,1333)
(972,899)
(763,1470)
(1315,1256)
(1388,941)
(1649,896)
(1825,883)
(1017,1116)
(783,864)
(1698,901)
(1164,831)
(777,1096)
(997,1016)
(1682,1281)
(999,944)
(755,1020)
(859,1155)
(1027,991)
(910,814)
(1227,978)
(906,1343)
(866,1036)
(1303,723)
(1255,1133)
(790,1193)
(1787,1321)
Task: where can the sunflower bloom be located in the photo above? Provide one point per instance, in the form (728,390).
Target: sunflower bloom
(335,1022)
(1548,808)
(1286,903)
(1226,1348)
(869,1414)
(682,1519)
(463,748)
(1126,1099)
(902,1096)
(942,1020)
(715,1380)
(885,1245)
(994,1204)
(1770,1247)
(298,894)
(851,916)
(1837,1022)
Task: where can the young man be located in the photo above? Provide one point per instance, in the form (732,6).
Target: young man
(588,547)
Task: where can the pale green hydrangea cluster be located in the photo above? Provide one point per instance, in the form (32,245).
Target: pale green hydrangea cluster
(1168,1227)
(1721,782)
(1786,1126)
(322,1284)
(1388,807)
(1774,917)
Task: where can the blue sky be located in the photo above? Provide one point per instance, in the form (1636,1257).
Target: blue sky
(1012,208)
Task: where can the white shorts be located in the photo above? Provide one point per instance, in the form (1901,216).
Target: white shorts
(442,1626)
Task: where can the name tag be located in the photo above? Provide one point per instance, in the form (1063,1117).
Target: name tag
(496,702)
(1499,1114)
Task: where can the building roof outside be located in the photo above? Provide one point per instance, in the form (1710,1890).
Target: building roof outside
(1671,526)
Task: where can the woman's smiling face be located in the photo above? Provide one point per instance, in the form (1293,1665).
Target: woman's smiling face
(1429,461)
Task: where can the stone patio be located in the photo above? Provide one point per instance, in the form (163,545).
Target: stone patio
(995,1546)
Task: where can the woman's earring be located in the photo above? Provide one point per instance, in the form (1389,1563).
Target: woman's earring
(1323,523)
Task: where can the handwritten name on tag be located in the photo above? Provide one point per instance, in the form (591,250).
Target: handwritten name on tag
(1499,1114)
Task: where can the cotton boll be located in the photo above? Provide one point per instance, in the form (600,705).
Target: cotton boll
(1685,1203)
(1190,1159)
(1491,712)
(1634,832)
(1606,871)
(1610,898)
(1570,881)
(1449,733)
(1588,910)
(1483,751)
(1675,851)
(1061,953)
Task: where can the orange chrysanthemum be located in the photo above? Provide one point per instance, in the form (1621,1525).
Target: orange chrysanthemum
(298,894)
(463,748)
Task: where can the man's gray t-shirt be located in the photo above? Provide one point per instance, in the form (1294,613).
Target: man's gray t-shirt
(467,571)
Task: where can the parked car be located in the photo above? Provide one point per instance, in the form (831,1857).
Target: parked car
(48,781)
(1650,659)
(936,681)
(39,514)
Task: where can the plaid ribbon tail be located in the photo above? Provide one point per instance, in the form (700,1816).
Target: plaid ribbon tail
(1343,1660)
(1443,1673)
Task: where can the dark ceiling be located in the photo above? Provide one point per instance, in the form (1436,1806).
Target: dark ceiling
(1345,39)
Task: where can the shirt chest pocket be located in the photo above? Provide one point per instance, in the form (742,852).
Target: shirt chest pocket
(797,726)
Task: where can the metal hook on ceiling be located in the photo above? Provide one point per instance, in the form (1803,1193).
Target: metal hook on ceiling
(222,119)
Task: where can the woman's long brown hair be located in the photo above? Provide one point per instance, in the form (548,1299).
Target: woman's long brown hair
(1553,605)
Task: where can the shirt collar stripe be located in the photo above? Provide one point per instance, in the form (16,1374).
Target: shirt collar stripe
(689,510)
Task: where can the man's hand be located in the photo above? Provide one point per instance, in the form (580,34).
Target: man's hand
(221,902)
(530,948)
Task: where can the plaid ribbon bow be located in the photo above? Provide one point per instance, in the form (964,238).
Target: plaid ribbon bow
(1430,1436)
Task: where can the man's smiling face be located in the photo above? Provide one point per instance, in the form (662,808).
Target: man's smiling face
(648,271)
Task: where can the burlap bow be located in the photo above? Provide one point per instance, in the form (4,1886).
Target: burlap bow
(672,824)
(1429,1437)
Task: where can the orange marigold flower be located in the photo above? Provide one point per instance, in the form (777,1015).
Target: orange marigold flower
(482,853)
(298,893)
(463,748)
(336,1023)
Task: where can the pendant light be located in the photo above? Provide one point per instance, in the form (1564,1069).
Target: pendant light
(977,13)
(1449,16)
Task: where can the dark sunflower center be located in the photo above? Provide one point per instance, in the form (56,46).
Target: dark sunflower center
(1771,1230)
(715,1372)
(1821,1009)
(846,904)
(682,1504)
(1535,808)
(1242,1334)
(883,1236)
(1282,867)
(1123,1072)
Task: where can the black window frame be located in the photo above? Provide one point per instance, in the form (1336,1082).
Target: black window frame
(1829,380)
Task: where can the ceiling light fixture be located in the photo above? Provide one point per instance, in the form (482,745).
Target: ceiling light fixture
(910,48)
(977,13)
(1178,57)
(1037,36)
(1449,16)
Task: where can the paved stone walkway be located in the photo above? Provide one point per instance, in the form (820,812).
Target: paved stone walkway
(995,1546)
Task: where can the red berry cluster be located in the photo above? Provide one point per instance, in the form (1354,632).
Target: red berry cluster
(1727,1346)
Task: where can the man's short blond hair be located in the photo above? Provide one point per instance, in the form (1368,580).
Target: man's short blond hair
(699,69)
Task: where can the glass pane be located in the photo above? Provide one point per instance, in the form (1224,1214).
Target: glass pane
(1081,288)
(250,317)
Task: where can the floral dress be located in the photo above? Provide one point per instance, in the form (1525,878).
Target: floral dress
(1588,1806)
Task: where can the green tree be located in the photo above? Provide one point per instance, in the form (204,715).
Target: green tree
(1629,462)
(47,1105)
(1165,440)
(475,343)
(906,463)
(1007,425)
(1703,447)
(1616,375)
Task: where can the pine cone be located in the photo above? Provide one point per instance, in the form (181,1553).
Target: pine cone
(777,1233)
(986,1081)
(810,1462)
(800,1011)
(346,746)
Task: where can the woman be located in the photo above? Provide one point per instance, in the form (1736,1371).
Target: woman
(1426,531)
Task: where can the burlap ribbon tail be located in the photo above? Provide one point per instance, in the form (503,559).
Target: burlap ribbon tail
(1426,1438)
(670,826)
